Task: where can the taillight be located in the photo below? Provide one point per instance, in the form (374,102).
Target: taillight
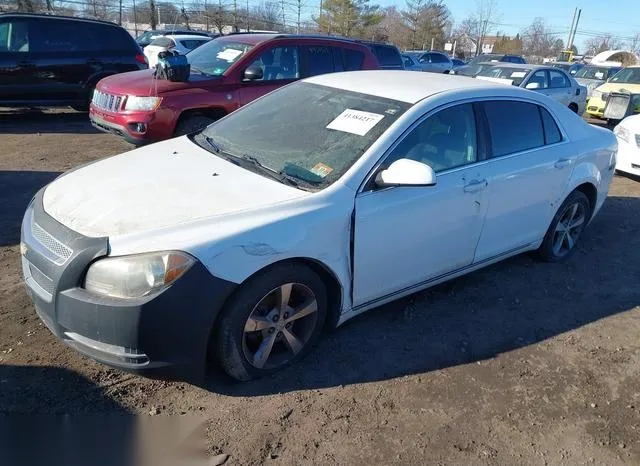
(141,59)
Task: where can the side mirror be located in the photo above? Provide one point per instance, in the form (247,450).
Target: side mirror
(406,172)
(533,86)
(252,73)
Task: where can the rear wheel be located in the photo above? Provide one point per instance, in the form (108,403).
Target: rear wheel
(271,322)
(191,123)
(573,107)
(84,107)
(566,227)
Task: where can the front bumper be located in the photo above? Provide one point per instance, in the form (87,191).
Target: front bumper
(595,107)
(136,128)
(628,158)
(167,330)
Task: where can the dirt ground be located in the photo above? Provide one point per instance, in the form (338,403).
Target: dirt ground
(521,363)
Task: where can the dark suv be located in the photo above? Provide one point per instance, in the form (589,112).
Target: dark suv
(48,60)
(226,73)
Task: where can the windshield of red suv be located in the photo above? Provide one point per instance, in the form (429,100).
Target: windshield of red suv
(307,132)
(216,56)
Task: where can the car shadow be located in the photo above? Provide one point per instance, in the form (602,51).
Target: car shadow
(507,306)
(36,120)
(18,187)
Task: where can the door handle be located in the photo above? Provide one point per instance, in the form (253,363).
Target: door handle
(475,186)
(562,163)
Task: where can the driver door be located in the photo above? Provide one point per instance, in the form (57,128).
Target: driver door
(280,65)
(407,236)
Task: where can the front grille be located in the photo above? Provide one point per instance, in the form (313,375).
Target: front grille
(60,251)
(108,102)
(41,279)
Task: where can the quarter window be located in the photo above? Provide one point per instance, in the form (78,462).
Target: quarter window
(354,59)
(552,134)
(513,126)
(444,140)
(319,60)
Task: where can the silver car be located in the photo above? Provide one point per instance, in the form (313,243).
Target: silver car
(593,76)
(548,80)
(431,61)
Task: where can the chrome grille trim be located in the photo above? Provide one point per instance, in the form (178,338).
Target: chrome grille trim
(105,101)
(60,252)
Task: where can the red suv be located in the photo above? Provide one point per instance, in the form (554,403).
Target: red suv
(226,73)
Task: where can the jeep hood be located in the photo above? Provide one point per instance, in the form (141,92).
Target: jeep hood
(159,185)
(143,83)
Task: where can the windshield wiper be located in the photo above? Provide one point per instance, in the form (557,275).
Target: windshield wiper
(209,140)
(279,176)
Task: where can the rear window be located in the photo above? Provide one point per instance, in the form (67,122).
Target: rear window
(162,42)
(514,126)
(354,59)
(191,44)
(387,56)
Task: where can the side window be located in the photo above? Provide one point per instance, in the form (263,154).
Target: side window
(279,63)
(407,62)
(558,79)
(387,56)
(539,77)
(354,59)
(514,126)
(50,35)
(319,59)
(110,37)
(14,36)
(552,134)
(444,140)
(426,58)
(437,58)
(338,61)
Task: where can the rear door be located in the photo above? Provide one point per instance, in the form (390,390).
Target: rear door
(528,169)
(19,81)
(280,65)
(560,87)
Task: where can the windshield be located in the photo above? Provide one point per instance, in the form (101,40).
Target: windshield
(627,75)
(515,75)
(216,56)
(595,72)
(564,66)
(484,58)
(305,131)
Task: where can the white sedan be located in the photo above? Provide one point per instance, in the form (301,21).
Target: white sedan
(181,43)
(628,134)
(306,207)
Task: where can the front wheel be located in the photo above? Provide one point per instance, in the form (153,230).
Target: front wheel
(271,322)
(193,123)
(566,227)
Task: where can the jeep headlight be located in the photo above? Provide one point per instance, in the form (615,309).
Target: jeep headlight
(137,275)
(142,103)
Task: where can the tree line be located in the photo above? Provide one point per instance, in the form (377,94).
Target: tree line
(419,25)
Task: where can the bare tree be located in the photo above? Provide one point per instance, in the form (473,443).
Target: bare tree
(634,44)
(602,43)
(538,42)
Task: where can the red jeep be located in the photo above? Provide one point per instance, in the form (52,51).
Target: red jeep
(226,73)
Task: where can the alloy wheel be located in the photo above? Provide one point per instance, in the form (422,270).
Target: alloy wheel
(280,326)
(568,229)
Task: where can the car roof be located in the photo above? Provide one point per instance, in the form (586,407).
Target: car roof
(520,66)
(69,18)
(187,36)
(405,86)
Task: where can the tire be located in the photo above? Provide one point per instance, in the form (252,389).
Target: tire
(573,107)
(553,247)
(237,340)
(192,123)
(84,107)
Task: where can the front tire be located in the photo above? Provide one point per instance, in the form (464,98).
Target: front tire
(190,124)
(271,322)
(566,227)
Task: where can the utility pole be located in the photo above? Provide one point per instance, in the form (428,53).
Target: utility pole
(575,29)
(135,18)
(152,13)
(247,15)
(573,21)
(235,15)
(299,8)
(284,21)
(120,15)
(159,20)
(432,43)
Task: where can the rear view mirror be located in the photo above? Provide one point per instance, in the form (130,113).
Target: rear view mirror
(406,172)
(533,86)
(252,73)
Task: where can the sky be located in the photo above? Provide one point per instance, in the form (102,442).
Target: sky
(618,17)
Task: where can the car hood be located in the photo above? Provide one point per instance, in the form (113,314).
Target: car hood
(616,87)
(143,83)
(156,186)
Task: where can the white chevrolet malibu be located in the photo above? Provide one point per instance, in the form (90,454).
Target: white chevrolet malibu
(303,209)
(628,134)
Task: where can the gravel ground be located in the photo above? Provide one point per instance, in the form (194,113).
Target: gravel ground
(520,363)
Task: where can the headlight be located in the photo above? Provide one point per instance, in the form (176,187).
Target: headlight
(142,103)
(597,94)
(622,133)
(136,276)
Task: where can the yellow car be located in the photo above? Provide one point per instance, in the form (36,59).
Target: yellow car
(627,79)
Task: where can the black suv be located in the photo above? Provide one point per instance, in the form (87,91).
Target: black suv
(388,55)
(48,60)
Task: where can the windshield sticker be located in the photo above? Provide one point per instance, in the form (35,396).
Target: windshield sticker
(518,74)
(599,75)
(355,122)
(229,54)
(321,170)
